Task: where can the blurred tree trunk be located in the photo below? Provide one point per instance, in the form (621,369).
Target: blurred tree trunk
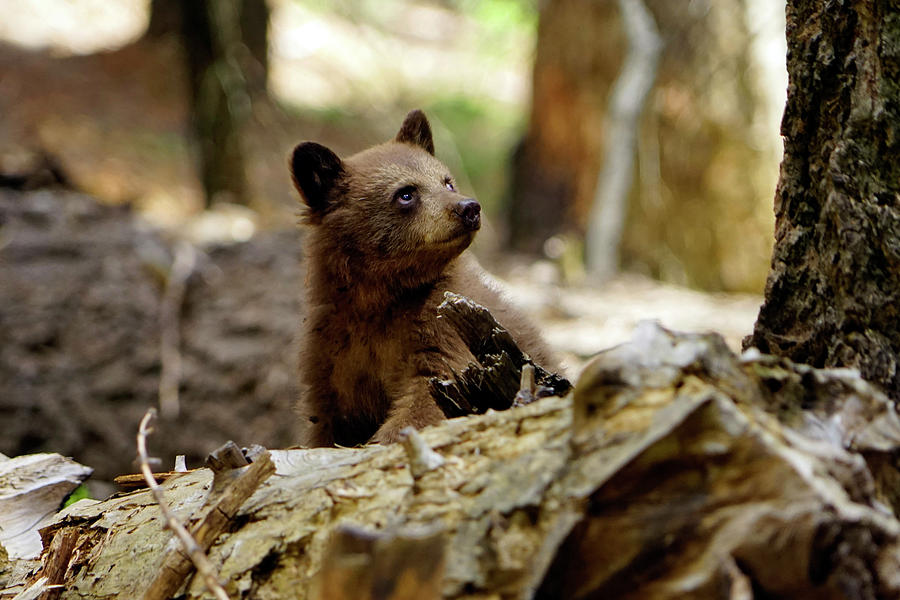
(698,212)
(165,17)
(626,104)
(254,23)
(555,168)
(226,50)
(833,294)
(219,96)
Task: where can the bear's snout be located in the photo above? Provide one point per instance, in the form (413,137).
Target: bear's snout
(469,212)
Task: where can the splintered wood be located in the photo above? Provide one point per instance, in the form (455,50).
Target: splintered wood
(494,381)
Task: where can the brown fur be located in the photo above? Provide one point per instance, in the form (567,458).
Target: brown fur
(378,269)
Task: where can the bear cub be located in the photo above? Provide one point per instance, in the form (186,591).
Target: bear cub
(386,235)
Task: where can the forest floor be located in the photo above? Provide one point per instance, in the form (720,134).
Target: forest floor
(581,320)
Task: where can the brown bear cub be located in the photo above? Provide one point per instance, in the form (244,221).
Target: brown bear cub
(386,233)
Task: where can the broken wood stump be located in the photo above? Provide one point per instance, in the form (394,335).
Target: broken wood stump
(496,379)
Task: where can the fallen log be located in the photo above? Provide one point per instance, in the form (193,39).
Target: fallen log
(674,470)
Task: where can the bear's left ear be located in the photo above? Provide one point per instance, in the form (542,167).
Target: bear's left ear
(416,131)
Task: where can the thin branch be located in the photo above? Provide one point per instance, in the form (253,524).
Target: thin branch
(188,544)
(626,104)
(170,329)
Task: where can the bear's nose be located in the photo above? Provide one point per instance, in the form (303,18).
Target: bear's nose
(469,212)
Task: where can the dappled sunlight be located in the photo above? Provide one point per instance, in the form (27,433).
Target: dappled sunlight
(415,49)
(72,26)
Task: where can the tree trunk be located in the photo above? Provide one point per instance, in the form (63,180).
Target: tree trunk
(226,50)
(165,17)
(697,213)
(219,96)
(555,168)
(626,104)
(833,293)
(254,23)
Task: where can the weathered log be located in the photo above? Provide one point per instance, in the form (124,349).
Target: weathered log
(361,566)
(231,487)
(675,470)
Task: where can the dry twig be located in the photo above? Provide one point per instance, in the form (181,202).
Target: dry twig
(188,543)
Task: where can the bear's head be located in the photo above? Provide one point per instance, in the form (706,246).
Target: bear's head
(390,211)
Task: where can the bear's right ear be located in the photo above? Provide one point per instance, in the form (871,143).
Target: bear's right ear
(315,170)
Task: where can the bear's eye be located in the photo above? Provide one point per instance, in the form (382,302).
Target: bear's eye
(406,196)
(448,183)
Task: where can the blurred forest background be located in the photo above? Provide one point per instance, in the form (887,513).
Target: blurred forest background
(186,112)
(105,89)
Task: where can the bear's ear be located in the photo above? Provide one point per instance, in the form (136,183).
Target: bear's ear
(315,170)
(416,131)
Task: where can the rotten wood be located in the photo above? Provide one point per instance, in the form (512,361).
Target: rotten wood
(231,488)
(167,581)
(494,381)
(57,564)
(233,483)
(32,489)
(136,481)
(360,565)
(227,456)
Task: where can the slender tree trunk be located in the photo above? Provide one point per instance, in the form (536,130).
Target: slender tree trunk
(165,17)
(220,100)
(226,50)
(254,23)
(833,293)
(607,219)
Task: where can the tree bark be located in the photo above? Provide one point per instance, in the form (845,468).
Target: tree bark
(833,293)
